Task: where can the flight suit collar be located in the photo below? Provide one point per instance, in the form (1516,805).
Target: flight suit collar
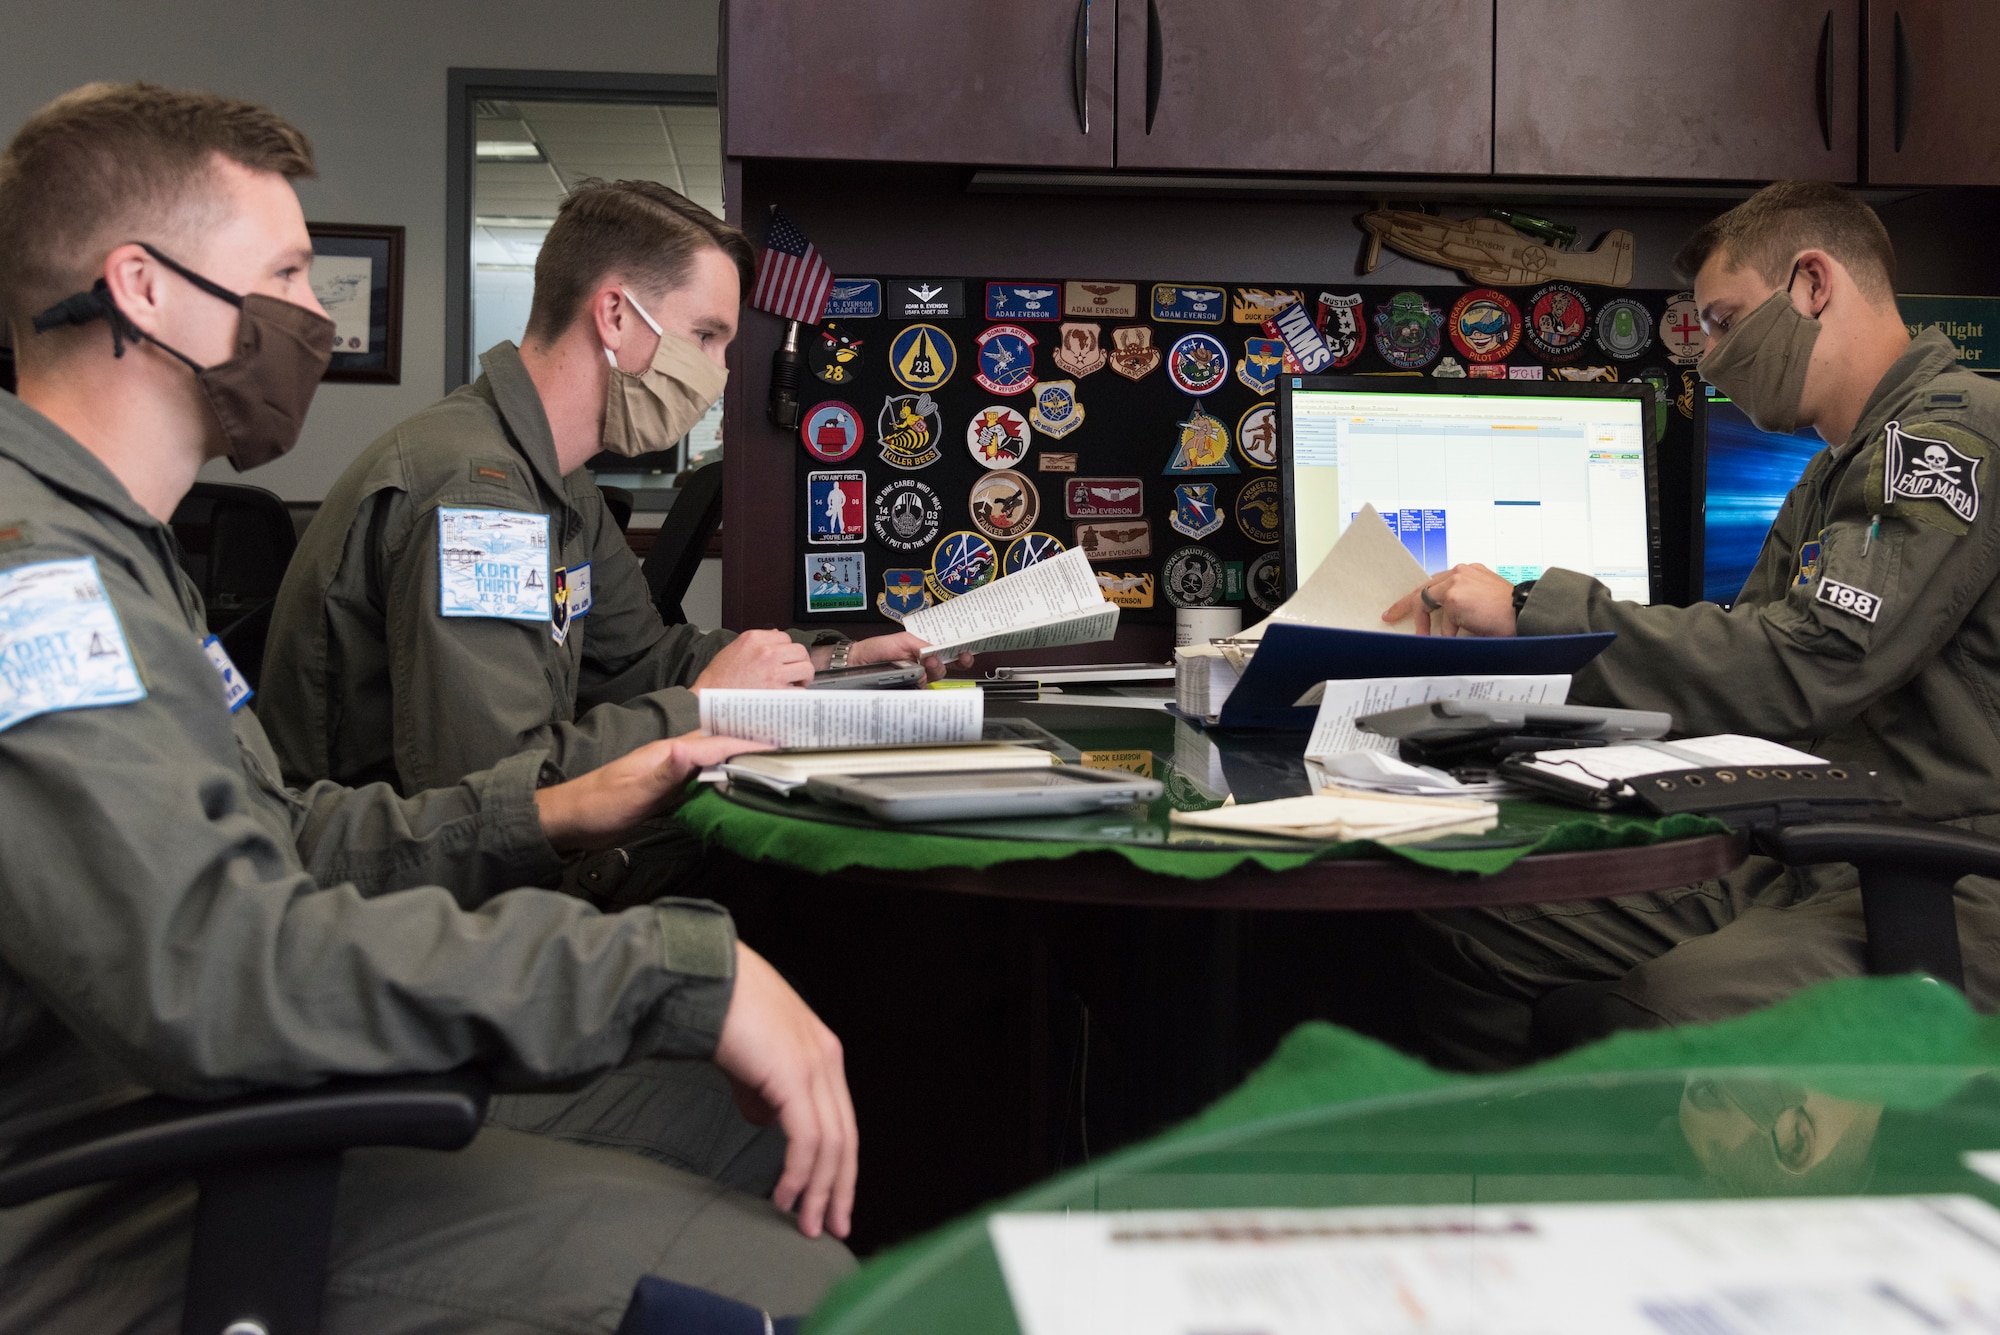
(1929,355)
(520,405)
(56,457)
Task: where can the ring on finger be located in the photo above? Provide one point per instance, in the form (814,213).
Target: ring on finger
(1424,596)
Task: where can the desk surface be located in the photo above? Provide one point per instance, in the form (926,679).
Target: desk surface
(1137,856)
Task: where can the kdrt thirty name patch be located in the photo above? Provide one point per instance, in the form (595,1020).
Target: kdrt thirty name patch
(1847,598)
(1934,464)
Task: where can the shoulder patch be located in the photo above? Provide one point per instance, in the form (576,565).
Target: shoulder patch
(61,646)
(1929,472)
(493,563)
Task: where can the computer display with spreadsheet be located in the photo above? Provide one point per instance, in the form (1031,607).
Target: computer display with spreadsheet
(1516,475)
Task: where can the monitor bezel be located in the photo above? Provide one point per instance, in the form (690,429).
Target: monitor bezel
(1657,582)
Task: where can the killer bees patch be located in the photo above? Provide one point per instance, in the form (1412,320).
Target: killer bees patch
(1929,472)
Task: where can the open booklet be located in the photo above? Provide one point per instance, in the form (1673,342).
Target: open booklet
(1607,767)
(1057,601)
(797,718)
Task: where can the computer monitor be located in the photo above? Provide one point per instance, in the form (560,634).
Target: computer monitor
(1519,475)
(1746,474)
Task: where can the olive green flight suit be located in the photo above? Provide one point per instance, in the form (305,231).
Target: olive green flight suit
(173,917)
(1869,631)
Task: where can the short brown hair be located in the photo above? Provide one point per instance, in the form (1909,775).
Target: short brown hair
(639,230)
(109,163)
(1769,229)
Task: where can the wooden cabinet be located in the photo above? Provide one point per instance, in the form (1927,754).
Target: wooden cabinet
(1932,115)
(1714,89)
(1305,85)
(1026,82)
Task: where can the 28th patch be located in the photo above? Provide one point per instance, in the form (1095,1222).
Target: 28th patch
(1006,360)
(1198,363)
(909,427)
(922,357)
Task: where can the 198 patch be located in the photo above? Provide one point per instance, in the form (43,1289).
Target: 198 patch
(1558,321)
(1030,549)
(1408,331)
(1194,578)
(61,646)
(831,431)
(962,562)
(1485,325)
(1198,363)
(1258,511)
(922,357)
(1846,598)
(906,514)
(909,427)
(1006,360)
(998,436)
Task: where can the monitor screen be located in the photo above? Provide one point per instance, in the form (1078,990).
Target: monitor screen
(1518,476)
(1749,474)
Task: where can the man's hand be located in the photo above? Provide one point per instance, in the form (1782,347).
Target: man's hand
(1464,600)
(889,648)
(593,811)
(758,660)
(786,1065)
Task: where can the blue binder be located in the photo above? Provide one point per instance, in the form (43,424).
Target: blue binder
(1293,659)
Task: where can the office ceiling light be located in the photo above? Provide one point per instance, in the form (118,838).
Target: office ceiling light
(510,150)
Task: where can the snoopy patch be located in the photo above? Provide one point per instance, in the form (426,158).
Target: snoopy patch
(1930,473)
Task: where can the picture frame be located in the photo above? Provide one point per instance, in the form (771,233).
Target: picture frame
(358,277)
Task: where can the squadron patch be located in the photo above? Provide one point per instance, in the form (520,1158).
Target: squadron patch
(1132,352)
(1126,589)
(1198,363)
(61,646)
(1558,321)
(998,436)
(835,355)
(831,431)
(1258,512)
(1004,504)
(962,562)
(1846,598)
(1023,301)
(1258,369)
(1408,331)
(1624,328)
(1203,446)
(836,582)
(1265,583)
(1029,549)
(1104,498)
(1308,351)
(1809,560)
(1340,323)
(909,427)
(570,591)
(922,357)
(1056,411)
(1006,360)
(1936,465)
(906,515)
(1194,578)
(837,508)
(1079,353)
(1680,330)
(1183,304)
(1196,513)
(902,593)
(1257,436)
(1485,325)
(1254,305)
(853,299)
(1116,539)
(1106,301)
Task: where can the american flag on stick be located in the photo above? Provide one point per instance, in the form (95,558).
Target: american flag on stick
(793,282)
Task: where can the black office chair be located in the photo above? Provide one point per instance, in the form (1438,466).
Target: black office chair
(619,502)
(683,540)
(267,1167)
(235,544)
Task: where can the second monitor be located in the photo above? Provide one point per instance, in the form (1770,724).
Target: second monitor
(1515,475)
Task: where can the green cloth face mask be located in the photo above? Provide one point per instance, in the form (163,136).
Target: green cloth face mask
(1762,365)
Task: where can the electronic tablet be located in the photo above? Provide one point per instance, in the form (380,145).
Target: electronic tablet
(977,794)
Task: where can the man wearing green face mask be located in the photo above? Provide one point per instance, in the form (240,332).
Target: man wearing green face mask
(1869,631)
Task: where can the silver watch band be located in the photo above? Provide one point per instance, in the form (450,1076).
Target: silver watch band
(838,658)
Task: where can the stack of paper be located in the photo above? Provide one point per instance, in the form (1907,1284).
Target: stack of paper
(1057,601)
(1342,702)
(785,772)
(843,719)
(1336,815)
(1379,773)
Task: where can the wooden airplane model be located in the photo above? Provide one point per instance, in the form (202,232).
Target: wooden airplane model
(1487,250)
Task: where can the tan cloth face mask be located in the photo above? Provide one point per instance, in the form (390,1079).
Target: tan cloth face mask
(655,408)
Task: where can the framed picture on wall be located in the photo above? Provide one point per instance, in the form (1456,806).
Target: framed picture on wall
(357,275)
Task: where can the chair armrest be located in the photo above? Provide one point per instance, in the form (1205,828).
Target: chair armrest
(158,1136)
(1914,847)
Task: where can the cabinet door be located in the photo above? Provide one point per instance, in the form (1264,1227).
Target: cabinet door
(1714,89)
(1306,85)
(1932,118)
(1024,81)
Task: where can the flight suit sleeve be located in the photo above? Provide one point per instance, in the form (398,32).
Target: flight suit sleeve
(1868,615)
(152,897)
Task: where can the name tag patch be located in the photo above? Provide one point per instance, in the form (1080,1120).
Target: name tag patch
(1847,598)
(571,593)
(493,563)
(235,690)
(60,643)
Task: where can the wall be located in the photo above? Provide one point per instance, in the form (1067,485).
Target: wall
(366,80)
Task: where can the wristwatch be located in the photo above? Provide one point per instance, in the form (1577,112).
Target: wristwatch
(838,658)
(1521,592)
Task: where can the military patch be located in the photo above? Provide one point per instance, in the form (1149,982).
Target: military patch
(1684,401)
(61,646)
(1203,446)
(1126,589)
(835,355)
(998,436)
(1308,351)
(902,593)
(1006,360)
(1056,411)
(1254,305)
(1194,578)
(1104,498)
(1809,560)
(1023,301)
(1846,598)
(831,431)
(1624,328)
(559,612)
(962,562)
(1198,363)
(1079,353)
(1951,400)
(1558,321)
(1196,513)
(1524,373)
(853,299)
(1265,582)
(909,428)
(1485,325)
(1340,323)
(836,582)
(1598,374)
(1408,331)
(1188,305)
(1107,301)
(927,299)
(1930,462)
(1258,512)
(1115,539)
(489,471)
(493,563)
(1257,435)
(922,357)
(1052,461)
(1128,762)
(16,533)
(1029,549)
(1486,371)
(837,508)
(1448,368)
(906,515)
(1680,330)
(1132,352)
(1004,504)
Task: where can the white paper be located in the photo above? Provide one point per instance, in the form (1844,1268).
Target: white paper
(786,771)
(1341,815)
(1365,572)
(1829,1266)
(1606,765)
(1051,603)
(1341,702)
(843,718)
(343,284)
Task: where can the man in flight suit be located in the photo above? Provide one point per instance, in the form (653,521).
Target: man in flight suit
(1869,631)
(172,917)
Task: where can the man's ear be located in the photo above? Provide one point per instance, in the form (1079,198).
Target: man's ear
(1812,289)
(611,318)
(136,282)
(1796,1139)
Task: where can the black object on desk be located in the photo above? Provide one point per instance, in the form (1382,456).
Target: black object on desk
(683,539)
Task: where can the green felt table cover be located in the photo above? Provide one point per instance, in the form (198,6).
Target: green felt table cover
(1903,1042)
(825,846)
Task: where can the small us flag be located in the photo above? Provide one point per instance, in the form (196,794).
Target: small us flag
(793,282)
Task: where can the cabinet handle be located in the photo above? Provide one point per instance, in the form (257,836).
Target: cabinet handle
(1079,65)
(1823,91)
(1156,61)
(1905,77)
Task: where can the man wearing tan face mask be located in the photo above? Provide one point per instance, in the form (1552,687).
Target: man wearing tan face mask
(388,661)
(1869,631)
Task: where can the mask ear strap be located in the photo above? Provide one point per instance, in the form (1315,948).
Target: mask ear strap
(213,289)
(96,304)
